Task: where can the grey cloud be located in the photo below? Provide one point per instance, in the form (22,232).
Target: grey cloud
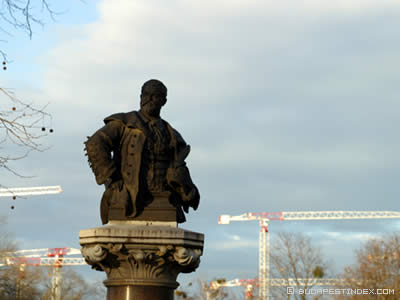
(285,111)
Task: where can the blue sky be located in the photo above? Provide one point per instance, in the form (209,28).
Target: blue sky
(288,106)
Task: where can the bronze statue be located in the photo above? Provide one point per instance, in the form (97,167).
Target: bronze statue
(140,159)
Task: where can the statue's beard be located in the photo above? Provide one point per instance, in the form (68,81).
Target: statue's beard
(151,109)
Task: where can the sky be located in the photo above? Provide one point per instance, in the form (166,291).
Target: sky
(287,106)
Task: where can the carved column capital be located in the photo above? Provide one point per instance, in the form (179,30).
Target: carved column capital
(142,255)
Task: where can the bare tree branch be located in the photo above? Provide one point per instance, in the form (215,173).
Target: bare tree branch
(20,128)
(20,121)
(21,15)
(294,256)
(377,267)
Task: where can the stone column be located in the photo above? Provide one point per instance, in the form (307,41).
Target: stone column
(141,259)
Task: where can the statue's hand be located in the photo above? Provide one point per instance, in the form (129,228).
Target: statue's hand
(115,182)
(117,185)
(179,180)
(177,177)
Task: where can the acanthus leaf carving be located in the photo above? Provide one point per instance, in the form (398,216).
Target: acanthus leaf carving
(121,261)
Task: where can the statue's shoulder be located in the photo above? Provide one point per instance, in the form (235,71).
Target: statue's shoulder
(176,134)
(129,118)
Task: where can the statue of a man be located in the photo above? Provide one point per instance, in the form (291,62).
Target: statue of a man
(139,157)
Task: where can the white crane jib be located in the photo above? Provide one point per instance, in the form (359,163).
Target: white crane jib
(310,215)
(265,217)
(276,282)
(30,191)
(55,257)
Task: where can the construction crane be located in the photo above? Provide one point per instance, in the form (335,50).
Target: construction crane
(250,283)
(265,217)
(54,257)
(29,191)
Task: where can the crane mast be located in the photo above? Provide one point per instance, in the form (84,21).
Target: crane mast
(263,270)
(265,217)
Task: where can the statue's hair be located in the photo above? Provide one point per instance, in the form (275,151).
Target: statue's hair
(153,86)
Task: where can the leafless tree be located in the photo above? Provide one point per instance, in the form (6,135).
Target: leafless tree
(16,281)
(20,282)
(7,243)
(74,287)
(21,15)
(20,120)
(200,290)
(377,267)
(293,255)
(21,128)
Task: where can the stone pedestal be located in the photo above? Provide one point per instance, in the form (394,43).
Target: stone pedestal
(142,259)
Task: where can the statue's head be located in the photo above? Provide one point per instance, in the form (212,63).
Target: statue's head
(153,97)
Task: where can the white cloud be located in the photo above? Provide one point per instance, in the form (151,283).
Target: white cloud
(231,242)
(212,54)
(199,49)
(236,238)
(230,245)
(251,88)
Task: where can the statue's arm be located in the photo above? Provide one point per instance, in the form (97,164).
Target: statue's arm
(178,176)
(99,149)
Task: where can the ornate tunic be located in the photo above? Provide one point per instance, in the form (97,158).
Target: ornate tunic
(156,156)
